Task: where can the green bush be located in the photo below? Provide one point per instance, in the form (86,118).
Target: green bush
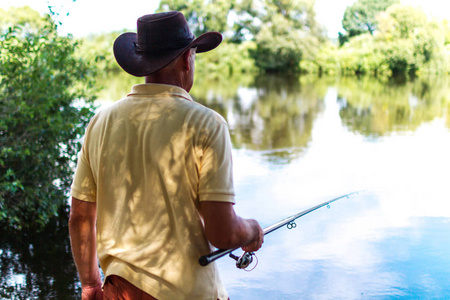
(99,48)
(227,59)
(326,60)
(405,43)
(46,96)
(278,47)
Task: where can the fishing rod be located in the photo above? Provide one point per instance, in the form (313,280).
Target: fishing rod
(246,259)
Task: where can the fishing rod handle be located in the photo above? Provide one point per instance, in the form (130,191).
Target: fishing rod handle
(209,258)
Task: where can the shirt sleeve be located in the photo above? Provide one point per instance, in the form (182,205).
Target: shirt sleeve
(84,186)
(216,171)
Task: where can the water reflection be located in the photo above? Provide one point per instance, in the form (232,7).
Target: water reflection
(378,245)
(273,114)
(276,112)
(38,266)
(375,108)
(298,142)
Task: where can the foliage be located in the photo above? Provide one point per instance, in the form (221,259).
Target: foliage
(288,34)
(410,42)
(406,43)
(41,122)
(203,16)
(382,38)
(324,61)
(98,48)
(24,16)
(361,18)
(277,46)
(245,20)
(226,60)
(362,56)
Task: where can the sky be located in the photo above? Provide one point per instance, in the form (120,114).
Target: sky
(97,16)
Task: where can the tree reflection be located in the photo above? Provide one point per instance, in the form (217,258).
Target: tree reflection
(268,113)
(276,113)
(38,266)
(376,108)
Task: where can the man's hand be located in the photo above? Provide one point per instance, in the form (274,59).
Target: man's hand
(258,241)
(92,292)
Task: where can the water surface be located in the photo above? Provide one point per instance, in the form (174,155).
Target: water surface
(389,242)
(298,142)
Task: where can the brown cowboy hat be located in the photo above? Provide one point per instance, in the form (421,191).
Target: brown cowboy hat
(160,38)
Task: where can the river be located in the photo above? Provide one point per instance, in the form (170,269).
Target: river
(298,142)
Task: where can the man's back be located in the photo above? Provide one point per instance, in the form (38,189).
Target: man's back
(150,166)
(154,155)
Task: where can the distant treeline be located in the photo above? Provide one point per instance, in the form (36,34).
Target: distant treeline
(382,38)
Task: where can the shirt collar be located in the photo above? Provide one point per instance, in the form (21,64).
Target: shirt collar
(157,88)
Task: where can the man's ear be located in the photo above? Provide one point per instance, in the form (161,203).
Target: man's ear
(185,58)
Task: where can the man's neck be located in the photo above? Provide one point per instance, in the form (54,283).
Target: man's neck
(165,80)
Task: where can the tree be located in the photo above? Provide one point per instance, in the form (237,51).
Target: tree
(289,32)
(46,96)
(25,16)
(202,16)
(246,23)
(405,43)
(97,47)
(278,46)
(360,17)
(401,21)
(410,42)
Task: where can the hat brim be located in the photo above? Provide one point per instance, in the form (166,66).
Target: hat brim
(138,63)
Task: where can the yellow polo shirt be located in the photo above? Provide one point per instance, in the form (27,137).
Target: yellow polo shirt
(147,161)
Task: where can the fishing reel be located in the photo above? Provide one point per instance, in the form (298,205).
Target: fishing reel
(244,260)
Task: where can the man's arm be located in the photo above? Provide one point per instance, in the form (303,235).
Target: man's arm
(225,230)
(82,222)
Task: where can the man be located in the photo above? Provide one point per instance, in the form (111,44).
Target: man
(153,187)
